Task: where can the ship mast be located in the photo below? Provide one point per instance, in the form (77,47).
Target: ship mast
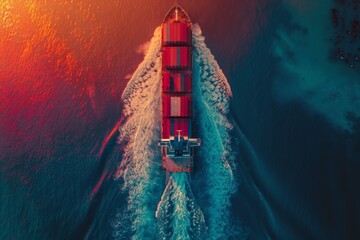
(176,12)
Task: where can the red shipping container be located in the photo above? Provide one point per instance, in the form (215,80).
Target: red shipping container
(166,82)
(185,106)
(172,125)
(182,32)
(174,56)
(165,106)
(166,128)
(183,56)
(176,82)
(187,83)
(176,33)
(180,124)
(165,55)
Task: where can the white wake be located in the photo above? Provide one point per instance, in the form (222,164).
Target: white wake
(212,94)
(160,207)
(140,166)
(178,214)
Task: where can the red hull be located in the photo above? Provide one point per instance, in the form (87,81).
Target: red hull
(177,85)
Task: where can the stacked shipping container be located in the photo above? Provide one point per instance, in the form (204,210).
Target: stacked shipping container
(177,57)
(176,33)
(176,82)
(177,152)
(176,79)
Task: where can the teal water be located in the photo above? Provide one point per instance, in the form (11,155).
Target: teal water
(294,74)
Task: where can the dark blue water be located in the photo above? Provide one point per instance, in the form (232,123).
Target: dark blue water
(295,82)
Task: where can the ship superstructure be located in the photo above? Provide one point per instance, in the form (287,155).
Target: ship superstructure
(177,115)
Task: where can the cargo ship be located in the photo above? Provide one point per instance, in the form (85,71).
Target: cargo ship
(177,141)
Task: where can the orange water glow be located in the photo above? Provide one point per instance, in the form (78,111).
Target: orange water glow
(64,64)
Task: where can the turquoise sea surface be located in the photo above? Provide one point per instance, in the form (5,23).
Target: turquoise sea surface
(294,72)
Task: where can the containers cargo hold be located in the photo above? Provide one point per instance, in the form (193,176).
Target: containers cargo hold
(176,33)
(177,116)
(177,57)
(176,82)
(176,106)
(172,125)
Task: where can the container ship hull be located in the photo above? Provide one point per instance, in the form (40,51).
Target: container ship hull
(177,112)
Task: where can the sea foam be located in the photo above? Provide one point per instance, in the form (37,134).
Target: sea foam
(164,207)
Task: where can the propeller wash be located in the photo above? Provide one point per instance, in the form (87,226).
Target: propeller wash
(192,98)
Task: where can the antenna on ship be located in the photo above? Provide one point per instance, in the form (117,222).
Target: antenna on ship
(179,134)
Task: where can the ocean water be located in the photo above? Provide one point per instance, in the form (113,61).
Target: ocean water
(278,98)
(174,211)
